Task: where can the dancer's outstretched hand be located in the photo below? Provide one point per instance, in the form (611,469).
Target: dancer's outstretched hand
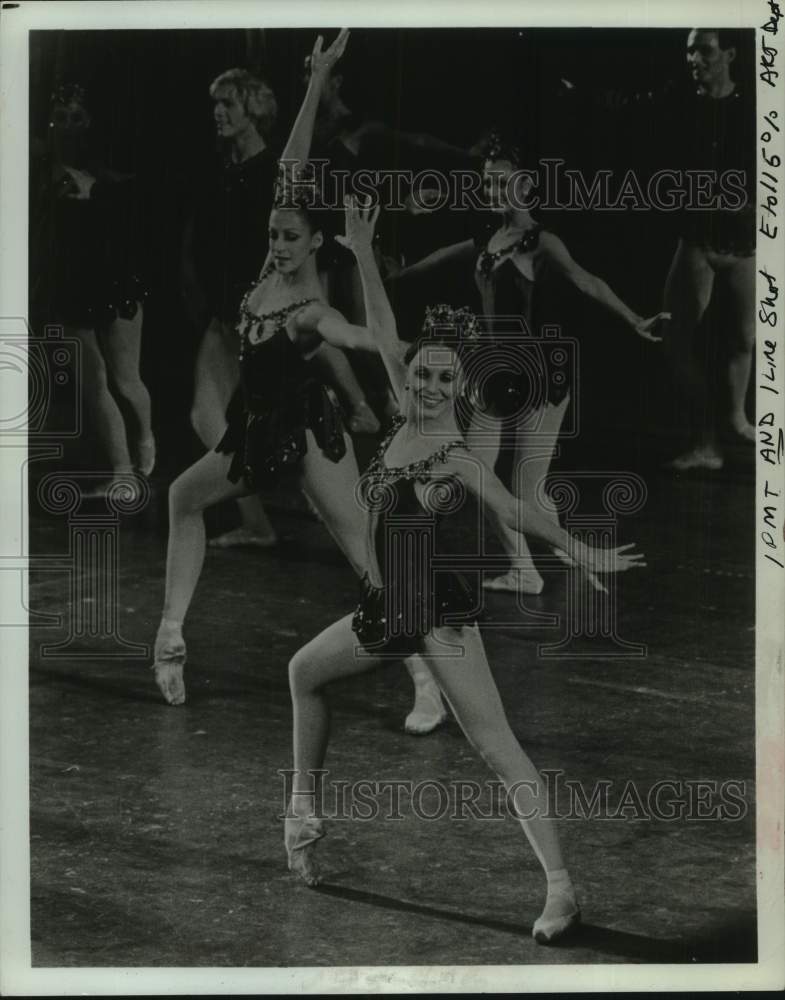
(360,223)
(323,62)
(617,560)
(645,327)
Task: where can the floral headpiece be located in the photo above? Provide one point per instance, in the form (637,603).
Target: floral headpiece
(462,321)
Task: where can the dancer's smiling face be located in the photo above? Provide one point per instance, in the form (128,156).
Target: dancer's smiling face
(292,240)
(434,377)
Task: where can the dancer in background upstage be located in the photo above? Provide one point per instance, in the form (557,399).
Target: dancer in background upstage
(287,420)
(422,474)
(516,274)
(715,255)
(224,248)
(84,275)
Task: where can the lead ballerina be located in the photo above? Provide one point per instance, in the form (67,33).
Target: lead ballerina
(422,463)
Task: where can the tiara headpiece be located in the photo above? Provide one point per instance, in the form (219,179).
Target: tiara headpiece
(462,321)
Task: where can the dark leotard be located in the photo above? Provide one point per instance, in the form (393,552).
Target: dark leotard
(415,595)
(532,370)
(84,251)
(279,397)
(716,136)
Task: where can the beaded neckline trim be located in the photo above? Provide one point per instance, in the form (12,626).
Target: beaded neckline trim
(487,260)
(378,471)
(277,317)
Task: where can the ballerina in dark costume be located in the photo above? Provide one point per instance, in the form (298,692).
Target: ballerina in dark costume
(512,270)
(84,267)
(286,419)
(425,469)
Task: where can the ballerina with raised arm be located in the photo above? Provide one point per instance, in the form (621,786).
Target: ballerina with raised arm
(519,262)
(422,474)
(287,420)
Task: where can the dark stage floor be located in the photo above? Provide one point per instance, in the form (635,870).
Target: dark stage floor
(156,837)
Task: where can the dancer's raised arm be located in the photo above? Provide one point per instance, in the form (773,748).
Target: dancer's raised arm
(298,147)
(380,318)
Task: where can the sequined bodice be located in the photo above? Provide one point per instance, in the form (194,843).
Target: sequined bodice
(390,498)
(273,372)
(504,290)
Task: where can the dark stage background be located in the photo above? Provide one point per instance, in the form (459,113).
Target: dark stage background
(589,96)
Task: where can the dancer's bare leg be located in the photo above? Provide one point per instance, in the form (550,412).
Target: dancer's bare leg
(475,700)
(330,487)
(688,290)
(483,438)
(199,487)
(101,405)
(736,279)
(216,378)
(534,450)
(331,655)
(121,346)
(470,689)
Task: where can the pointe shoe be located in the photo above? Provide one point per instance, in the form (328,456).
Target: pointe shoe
(300,837)
(698,458)
(362,420)
(428,711)
(561,915)
(243,537)
(168,666)
(516,581)
(146,459)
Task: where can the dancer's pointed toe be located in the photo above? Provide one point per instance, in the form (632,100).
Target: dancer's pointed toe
(300,837)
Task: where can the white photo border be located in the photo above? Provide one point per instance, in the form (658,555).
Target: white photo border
(17,977)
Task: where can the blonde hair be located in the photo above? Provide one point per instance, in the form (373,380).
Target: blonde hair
(256,95)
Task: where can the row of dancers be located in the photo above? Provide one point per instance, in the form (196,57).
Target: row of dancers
(290,420)
(285,418)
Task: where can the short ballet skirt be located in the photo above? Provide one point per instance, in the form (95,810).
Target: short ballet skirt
(392,620)
(518,371)
(86,272)
(267,442)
